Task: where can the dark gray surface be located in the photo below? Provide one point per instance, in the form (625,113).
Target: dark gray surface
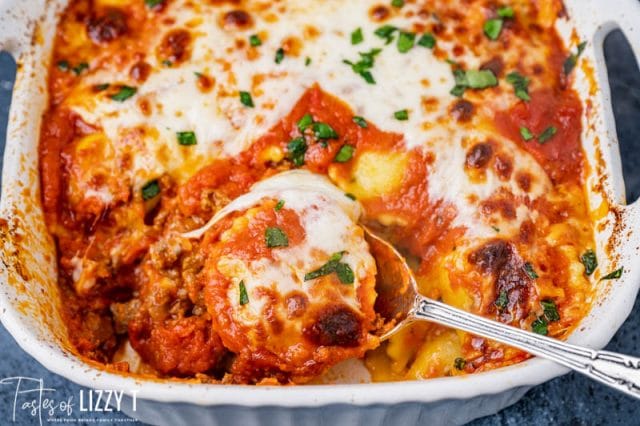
(569,400)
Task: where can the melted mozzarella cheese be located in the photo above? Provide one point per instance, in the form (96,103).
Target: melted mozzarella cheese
(224,127)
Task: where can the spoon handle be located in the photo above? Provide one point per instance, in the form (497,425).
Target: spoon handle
(618,371)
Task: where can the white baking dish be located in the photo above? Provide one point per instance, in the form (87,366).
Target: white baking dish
(29,295)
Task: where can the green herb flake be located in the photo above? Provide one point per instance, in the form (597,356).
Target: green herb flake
(397,3)
(364,65)
(167,63)
(481,79)
(506,12)
(386,32)
(495,228)
(360,121)
(526,134)
(296,149)
(63,65)
(528,268)
(324,131)
(279,55)
(279,206)
(344,154)
(343,271)
(406,41)
(402,115)
(152,3)
(275,237)
(613,275)
(101,87)
(244,297)
(493,28)
(571,62)
(246,99)
(547,134)
(150,190)
(350,196)
(590,261)
(357,37)
(520,85)
(502,301)
(78,69)
(550,310)
(307,61)
(186,138)
(124,93)
(254,40)
(459,363)
(540,326)
(305,122)
(427,40)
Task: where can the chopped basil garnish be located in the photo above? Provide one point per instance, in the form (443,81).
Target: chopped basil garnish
(520,85)
(279,206)
(472,79)
(246,99)
(505,12)
(279,55)
(495,228)
(590,261)
(459,363)
(405,41)
(528,268)
(350,196)
(613,275)
(502,301)
(397,3)
(307,61)
(540,326)
(360,121)
(357,37)
(547,134)
(186,138)
(571,62)
(345,273)
(78,69)
(427,40)
(364,65)
(526,134)
(254,40)
(401,115)
(244,297)
(167,63)
(275,237)
(324,131)
(343,270)
(345,154)
(124,93)
(63,65)
(150,190)
(304,122)
(493,28)
(550,310)
(297,148)
(152,3)
(101,87)
(386,32)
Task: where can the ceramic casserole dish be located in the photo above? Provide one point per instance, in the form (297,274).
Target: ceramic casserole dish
(29,299)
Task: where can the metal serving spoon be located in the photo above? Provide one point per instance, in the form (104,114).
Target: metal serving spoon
(399,304)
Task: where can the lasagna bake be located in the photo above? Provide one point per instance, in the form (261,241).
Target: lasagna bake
(450,128)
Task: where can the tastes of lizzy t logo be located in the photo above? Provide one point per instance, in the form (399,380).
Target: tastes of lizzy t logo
(32,400)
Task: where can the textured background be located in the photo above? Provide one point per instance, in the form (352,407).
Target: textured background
(568,400)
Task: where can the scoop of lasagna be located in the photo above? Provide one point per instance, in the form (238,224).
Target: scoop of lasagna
(290,283)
